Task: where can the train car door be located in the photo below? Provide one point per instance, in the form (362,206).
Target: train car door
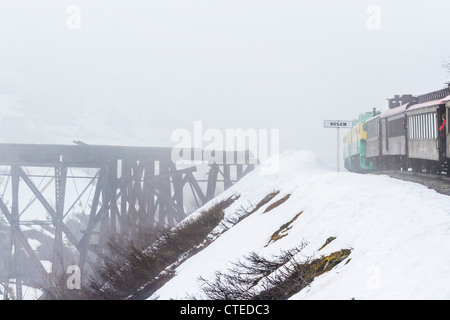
(405,133)
(442,145)
(447,153)
(380,139)
(384,136)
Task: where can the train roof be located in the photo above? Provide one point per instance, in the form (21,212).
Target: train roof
(430,103)
(394,111)
(435,98)
(414,106)
(372,118)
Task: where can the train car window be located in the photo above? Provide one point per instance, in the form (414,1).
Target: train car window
(419,122)
(409,127)
(422,126)
(416,131)
(415,127)
(434,126)
(370,129)
(395,128)
(430,126)
(426,126)
(418,127)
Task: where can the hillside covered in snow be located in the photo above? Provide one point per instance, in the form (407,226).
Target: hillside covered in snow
(369,237)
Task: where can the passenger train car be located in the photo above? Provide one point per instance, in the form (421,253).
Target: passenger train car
(404,137)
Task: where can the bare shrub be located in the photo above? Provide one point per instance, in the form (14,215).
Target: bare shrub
(131,272)
(239,282)
(258,278)
(294,277)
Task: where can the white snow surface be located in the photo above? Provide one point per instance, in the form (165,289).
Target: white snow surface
(398,233)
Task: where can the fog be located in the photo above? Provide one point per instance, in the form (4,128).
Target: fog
(132,72)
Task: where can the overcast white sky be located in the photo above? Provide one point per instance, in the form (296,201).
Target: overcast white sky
(136,71)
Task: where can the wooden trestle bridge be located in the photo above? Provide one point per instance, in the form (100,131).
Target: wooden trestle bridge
(133,186)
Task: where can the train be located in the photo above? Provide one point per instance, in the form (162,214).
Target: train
(404,137)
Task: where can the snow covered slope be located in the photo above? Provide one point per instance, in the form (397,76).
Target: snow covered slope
(398,233)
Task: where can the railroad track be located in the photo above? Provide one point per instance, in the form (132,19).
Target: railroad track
(437,182)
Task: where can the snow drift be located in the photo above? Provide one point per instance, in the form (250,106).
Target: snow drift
(398,233)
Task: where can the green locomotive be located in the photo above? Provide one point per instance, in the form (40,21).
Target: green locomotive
(355,146)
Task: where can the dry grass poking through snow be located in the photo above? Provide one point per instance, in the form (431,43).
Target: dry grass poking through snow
(277,203)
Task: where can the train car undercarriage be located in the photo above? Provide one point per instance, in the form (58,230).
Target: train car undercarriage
(402,163)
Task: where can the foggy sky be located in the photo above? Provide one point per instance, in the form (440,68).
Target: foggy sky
(136,71)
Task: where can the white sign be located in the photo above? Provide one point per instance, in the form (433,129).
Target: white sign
(338,124)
